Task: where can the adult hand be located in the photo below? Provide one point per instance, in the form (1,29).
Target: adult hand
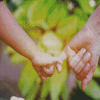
(81,63)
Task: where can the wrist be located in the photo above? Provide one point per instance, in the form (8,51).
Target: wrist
(94,20)
(36,53)
(92,34)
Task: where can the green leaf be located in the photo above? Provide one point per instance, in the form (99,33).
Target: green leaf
(51,4)
(82,18)
(9,50)
(93,90)
(35,33)
(37,14)
(17,58)
(50,43)
(80,13)
(65,92)
(45,89)
(97,72)
(86,6)
(81,24)
(20,15)
(27,79)
(28,3)
(33,92)
(57,14)
(16,2)
(67,27)
(57,82)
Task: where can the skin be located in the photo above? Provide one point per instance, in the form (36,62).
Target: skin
(13,35)
(88,38)
(84,61)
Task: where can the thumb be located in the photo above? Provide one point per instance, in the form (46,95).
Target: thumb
(59,67)
(64,56)
(70,52)
(58,62)
(67,53)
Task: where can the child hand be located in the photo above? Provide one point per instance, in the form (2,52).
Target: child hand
(44,64)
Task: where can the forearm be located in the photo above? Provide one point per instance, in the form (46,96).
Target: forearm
(12,34)
(94,20)
(90,31)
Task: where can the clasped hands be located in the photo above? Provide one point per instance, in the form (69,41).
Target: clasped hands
(82,54)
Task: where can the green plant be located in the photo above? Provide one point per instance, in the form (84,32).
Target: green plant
(51,26)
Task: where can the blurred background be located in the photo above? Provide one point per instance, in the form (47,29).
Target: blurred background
(51,24)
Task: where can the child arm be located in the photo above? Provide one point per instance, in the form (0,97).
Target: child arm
(13,35)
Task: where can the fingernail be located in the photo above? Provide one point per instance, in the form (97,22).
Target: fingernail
(87,66)
(88,54)
(78,77)
(74,63)
(84,86)
(83,50)
(59,67)
(51,68)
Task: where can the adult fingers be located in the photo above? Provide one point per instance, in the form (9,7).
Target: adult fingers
(86,81)
(93,62)
(67,52)
(73,61)
(82,63)
(84,72)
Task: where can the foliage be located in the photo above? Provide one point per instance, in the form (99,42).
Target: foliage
(51,24)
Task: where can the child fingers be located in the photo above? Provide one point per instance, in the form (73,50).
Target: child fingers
(57,60)
(73,61)
(42,76)
(37,68)
(63,55)
(84,72)
(82,63)
(48,70)
(45,74)
(59,67)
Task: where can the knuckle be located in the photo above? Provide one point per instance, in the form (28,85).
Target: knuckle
(93,66)
(79,56)
(79,78)
(79,67)
(81,52)
(84,60)
(82,63)
(70,64)
(89,80)
(87,67)
(76,71)
(48,72)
